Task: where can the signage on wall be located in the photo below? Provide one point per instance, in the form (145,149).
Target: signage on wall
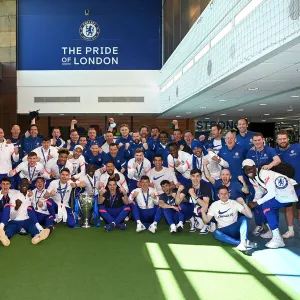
(205,125)
(89,55)
(117,35)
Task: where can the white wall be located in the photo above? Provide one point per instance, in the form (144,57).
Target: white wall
(88,85)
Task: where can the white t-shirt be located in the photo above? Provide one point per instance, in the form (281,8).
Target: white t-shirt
(39,196)
(6,152)
(142,169)
(185,166)
(63,192)
(141,198)
(20,214)
(43,154)
(52,166)
(105,176)
(91,186)
(225,213)
(77,163)
(156,177)
(277,186)
(31,173)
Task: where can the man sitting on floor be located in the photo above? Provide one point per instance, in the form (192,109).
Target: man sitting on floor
(231,229)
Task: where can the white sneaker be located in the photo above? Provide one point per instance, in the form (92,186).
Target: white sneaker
(212,227)
(204,230)
(251,245)
(41,236)
(126,219)
(192,224)
(267,235)
(179,227)
(140,227)
(288,234)
(199,224)
(275,243)
(173,228)
(258,230)
(152,228)
(241,247)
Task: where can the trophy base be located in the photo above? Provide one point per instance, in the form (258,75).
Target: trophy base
(85,226)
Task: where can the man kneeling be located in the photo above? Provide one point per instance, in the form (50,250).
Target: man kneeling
(113,205)
(231,228)
(144,206)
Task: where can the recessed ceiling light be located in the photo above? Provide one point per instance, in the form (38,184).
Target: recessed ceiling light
(206,118)
(230,120)
(188,112)
(222,100)
(266,114)
(223,114)
(202,107)
(263,120)
(178,116)
(295,96)
(253,89)
(240,109)
(61,114)
(290,109)
(262,104)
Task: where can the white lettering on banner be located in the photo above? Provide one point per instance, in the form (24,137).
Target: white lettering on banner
(93,56)
(96,61)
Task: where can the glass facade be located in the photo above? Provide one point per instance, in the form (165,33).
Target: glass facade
(179,17)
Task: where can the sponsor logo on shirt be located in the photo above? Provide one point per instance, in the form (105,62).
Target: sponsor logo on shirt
(223,212)
(156,178)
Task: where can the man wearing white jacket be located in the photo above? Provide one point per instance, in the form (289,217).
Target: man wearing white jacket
(279,192)
(6,152)
(180,162)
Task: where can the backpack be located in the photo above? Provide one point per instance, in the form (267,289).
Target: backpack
(282,168)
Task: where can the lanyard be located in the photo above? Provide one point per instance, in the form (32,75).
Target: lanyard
(92,185)
(59,167)
(5,199)
(62,191)
(45,160)
(112,200)
(199,165)
(37,198)
(171,200)
(29,173)
(197,192)
(139,171)
(146,199)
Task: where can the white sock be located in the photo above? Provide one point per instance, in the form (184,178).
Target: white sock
(291,228)
(1,225)
(138,222)
(39,227)
(276,233)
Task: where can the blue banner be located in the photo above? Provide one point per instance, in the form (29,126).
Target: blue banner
(89,35)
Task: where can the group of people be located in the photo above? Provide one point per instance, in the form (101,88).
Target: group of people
(214,184)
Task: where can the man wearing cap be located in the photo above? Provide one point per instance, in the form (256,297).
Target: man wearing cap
(279,191)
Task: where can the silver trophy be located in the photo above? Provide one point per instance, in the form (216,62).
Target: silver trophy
(86,204)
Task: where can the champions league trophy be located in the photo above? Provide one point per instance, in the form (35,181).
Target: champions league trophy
(86,205)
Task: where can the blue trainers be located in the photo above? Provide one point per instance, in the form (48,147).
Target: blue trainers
(107,228)
(122,226)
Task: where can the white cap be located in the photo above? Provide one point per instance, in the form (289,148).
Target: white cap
(248,162)
(78,146)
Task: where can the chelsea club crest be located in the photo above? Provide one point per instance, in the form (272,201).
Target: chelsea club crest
(89,30)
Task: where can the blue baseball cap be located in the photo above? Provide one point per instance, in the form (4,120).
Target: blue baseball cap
(196,144)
